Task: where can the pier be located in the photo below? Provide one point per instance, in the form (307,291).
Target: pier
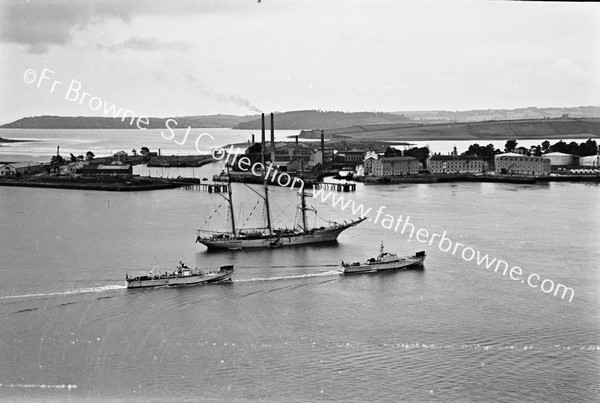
(207,187)
(339,187)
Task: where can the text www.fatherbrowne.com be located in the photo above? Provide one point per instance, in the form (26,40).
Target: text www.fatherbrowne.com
(403,225)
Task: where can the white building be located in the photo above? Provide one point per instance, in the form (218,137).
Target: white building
(387,166)
(590,161)
(512,163)
(443,164)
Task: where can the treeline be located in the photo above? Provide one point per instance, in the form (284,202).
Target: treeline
(487,153)
(420,153)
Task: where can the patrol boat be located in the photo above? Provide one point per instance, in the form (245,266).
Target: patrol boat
(182,275)
(385,261)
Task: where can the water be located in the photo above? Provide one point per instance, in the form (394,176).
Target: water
(104,143)
(290,326)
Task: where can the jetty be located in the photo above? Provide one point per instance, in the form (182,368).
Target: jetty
(207,187)
(113,184)
(338,187)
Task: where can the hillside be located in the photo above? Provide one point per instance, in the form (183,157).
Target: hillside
(561,128)
(92,122)
(298,120)
(479,115)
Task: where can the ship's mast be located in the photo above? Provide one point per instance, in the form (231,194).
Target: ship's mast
(302,195)
(230,200)
(303,209)
(265,182)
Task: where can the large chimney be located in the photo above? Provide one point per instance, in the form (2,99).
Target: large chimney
(323,146)
(262,138)
(252,138)
(272,140)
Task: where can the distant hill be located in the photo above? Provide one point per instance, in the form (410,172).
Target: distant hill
(502,114)
(343,123)
(560,128)
(298,120)
(92,122)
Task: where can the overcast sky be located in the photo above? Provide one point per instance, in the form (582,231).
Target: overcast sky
(161,58)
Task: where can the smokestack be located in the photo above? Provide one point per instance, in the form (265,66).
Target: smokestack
(296,141)
(57,149)
(262,134)
(252,138)
(272,140)
(323,146)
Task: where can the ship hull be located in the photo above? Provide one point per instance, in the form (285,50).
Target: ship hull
(275,241)
(164,281)
(375,267)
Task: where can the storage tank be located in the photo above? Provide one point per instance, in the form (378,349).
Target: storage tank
(559,159)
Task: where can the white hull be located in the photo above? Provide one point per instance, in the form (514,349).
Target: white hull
(381,266)
(275,241)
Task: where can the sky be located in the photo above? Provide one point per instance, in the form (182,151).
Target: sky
(187,57)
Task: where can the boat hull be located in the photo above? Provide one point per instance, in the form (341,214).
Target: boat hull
(275,241)
(171,280)
(375,267)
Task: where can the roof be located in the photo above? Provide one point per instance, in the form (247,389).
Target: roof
(451,157)
(511,155)
(114,167)
(397,159)
(26,164)
(557,154)
(288,145)
(520,156)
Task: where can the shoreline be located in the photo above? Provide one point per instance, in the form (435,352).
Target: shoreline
(121,185)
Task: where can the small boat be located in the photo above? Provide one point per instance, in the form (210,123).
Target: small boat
(182,275)
(385,261)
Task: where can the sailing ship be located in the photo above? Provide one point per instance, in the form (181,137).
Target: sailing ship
(269,237)
(182,275)
(385,261)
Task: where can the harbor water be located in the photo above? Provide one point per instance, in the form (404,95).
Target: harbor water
(289,326)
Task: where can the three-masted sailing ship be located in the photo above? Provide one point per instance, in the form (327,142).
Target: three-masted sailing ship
(268,237)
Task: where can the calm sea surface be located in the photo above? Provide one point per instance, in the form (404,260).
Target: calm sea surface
(290,327)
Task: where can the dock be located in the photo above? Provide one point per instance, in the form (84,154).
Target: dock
(338,187)
(207,187)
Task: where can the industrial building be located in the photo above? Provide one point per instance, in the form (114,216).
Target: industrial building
(21,168)
(590,161)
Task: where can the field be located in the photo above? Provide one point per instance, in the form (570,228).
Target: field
(543,129)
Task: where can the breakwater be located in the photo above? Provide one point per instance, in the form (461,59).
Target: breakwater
(106,184)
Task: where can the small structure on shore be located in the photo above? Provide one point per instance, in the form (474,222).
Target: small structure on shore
(21,168)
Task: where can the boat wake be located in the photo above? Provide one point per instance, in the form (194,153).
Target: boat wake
(299,276)
(86,290)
